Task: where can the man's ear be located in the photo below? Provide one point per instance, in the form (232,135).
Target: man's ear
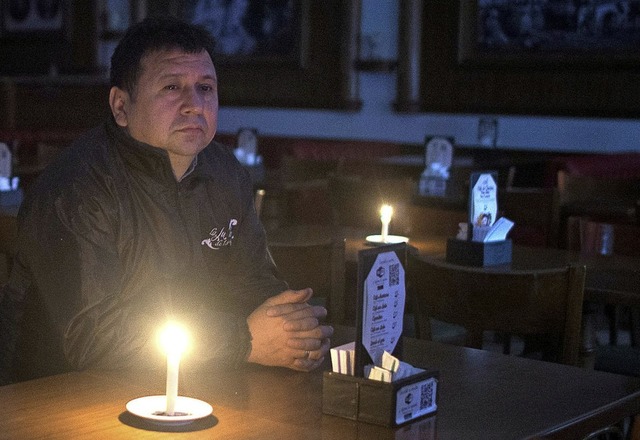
(118,100)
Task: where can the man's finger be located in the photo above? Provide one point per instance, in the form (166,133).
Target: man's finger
(306,319)
(290,297)
(315,311)
(301,325)
(312,359)
(305,345)
(285,309)
(319,333)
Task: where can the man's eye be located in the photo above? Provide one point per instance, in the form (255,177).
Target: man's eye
(171,87)
(206,87)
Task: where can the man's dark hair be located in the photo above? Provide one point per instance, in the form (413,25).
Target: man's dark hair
(152,34)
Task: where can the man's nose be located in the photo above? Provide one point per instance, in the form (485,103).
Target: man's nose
(193,101)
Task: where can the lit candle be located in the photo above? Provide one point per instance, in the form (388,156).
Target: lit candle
(385,217)
(174,340)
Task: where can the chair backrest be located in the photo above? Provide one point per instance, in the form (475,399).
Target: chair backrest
(574,187)
(294,169)
(356,201)
(536,213)
(304,194)
(430,221)
(8,244)
(541,302)
(593,237)
(378,168)
(319,265)
(605,199)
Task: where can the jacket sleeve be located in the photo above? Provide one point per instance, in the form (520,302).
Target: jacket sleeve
(68,245)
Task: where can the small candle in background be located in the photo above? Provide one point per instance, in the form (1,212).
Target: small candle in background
(385,217)
(174,341)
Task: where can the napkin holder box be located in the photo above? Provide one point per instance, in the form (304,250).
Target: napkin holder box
(11,198)
(381,403)
(477,253)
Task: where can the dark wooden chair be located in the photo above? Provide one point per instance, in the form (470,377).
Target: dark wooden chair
(587,236)
(621,193)
(525,303)
(319,265)
(294,169)
(604,199)
(8,244)
(535,212)
(431,221)
(304,190)
(378,168)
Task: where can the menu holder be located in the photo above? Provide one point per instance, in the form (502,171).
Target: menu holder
(11,198)
(437,161)
(10,193)
(483,209)
(379,319)
(478,253)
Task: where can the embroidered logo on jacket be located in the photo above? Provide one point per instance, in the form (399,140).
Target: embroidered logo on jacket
(219,237)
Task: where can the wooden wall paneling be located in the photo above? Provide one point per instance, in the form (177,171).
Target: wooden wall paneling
(580,89)
(82,32)
(64,105)
(410,58)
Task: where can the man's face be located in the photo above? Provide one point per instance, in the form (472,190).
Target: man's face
(174,105)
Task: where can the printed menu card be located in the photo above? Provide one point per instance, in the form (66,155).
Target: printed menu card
(381,303)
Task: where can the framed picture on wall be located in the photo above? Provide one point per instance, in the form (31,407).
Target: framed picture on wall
(32,16)
(263,31)
(280,53)
(450,69)
(553,32)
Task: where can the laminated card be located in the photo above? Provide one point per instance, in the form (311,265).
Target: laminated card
(381,303)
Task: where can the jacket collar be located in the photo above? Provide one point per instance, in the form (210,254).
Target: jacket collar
(146,159)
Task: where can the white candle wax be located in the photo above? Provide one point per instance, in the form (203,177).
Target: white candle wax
(385,217)
(174,341)
(173,366)
(384,233)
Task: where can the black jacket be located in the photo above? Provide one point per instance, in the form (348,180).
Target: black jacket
(111,246)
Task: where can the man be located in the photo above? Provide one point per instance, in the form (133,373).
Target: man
(146,219)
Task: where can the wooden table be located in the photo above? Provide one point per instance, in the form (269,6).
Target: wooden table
(481,395)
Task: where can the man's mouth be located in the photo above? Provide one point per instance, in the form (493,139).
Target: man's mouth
(191,128)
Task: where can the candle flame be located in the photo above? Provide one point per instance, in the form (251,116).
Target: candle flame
(386,211)
(173,338)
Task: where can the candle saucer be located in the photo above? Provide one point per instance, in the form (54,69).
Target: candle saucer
(391,239)
(152,408)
